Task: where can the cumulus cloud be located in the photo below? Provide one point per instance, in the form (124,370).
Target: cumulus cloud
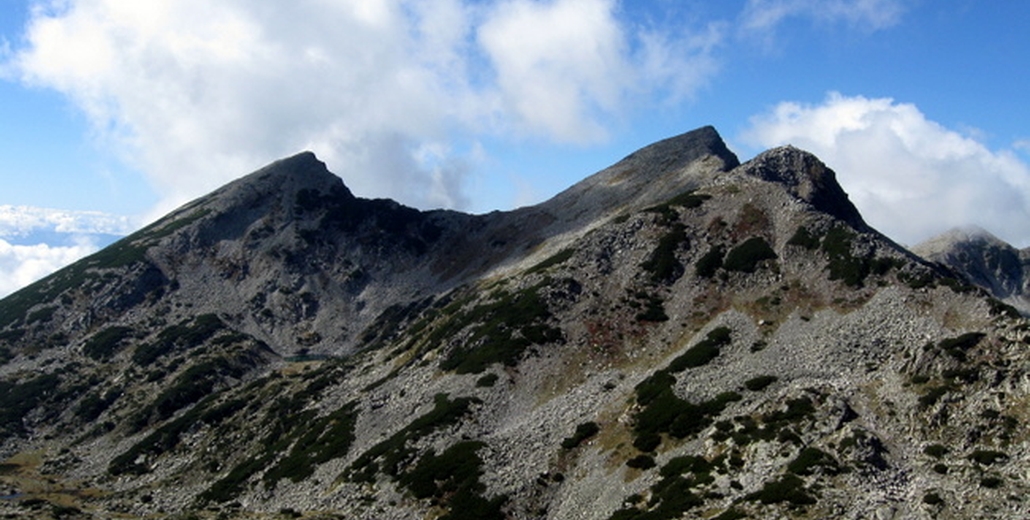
(911,177)
(391,93)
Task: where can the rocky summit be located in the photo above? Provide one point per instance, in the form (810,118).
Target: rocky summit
(677,336)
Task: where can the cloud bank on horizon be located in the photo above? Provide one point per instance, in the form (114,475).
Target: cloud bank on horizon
(416,99)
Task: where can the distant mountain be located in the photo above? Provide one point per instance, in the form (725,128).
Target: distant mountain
(986,261)
(680,335)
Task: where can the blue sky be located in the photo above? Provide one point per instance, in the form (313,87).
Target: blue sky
(113,113)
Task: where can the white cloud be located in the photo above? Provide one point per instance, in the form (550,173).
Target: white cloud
(19,221)
(766,15)
(22,265)
(557,61)
(911,177)
(195,93)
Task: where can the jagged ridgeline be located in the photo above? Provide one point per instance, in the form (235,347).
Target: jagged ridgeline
(677,336)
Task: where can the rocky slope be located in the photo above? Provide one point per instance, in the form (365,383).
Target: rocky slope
(677,336)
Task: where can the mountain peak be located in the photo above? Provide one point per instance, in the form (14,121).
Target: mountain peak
(678,151)
(647,176)
(807,178)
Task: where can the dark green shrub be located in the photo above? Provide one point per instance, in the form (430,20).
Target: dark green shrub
(388,455)
(105,343)
(935,450)
(987,457)
(932,395)
(746,257)
(487,380)
(790,489)
(991,482)
(180,337)
(811,458)
(932,499)
(759,383)
(688,199)
(18,399)
(583,432)
(647,442)
(957,347)
(500,331)
(709,263)
(804,238)
(940,468)
(319,441)
(663,265)
(797,409)
(641,462)
(654,311)
(703,352)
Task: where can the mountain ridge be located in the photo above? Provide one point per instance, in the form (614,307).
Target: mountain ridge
(678,336)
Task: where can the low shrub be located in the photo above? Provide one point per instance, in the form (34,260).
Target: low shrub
(746,257)
(759,383)
(641,462)
(583,432)
(790,489)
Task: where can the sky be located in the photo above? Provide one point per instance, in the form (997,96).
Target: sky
(113,113)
